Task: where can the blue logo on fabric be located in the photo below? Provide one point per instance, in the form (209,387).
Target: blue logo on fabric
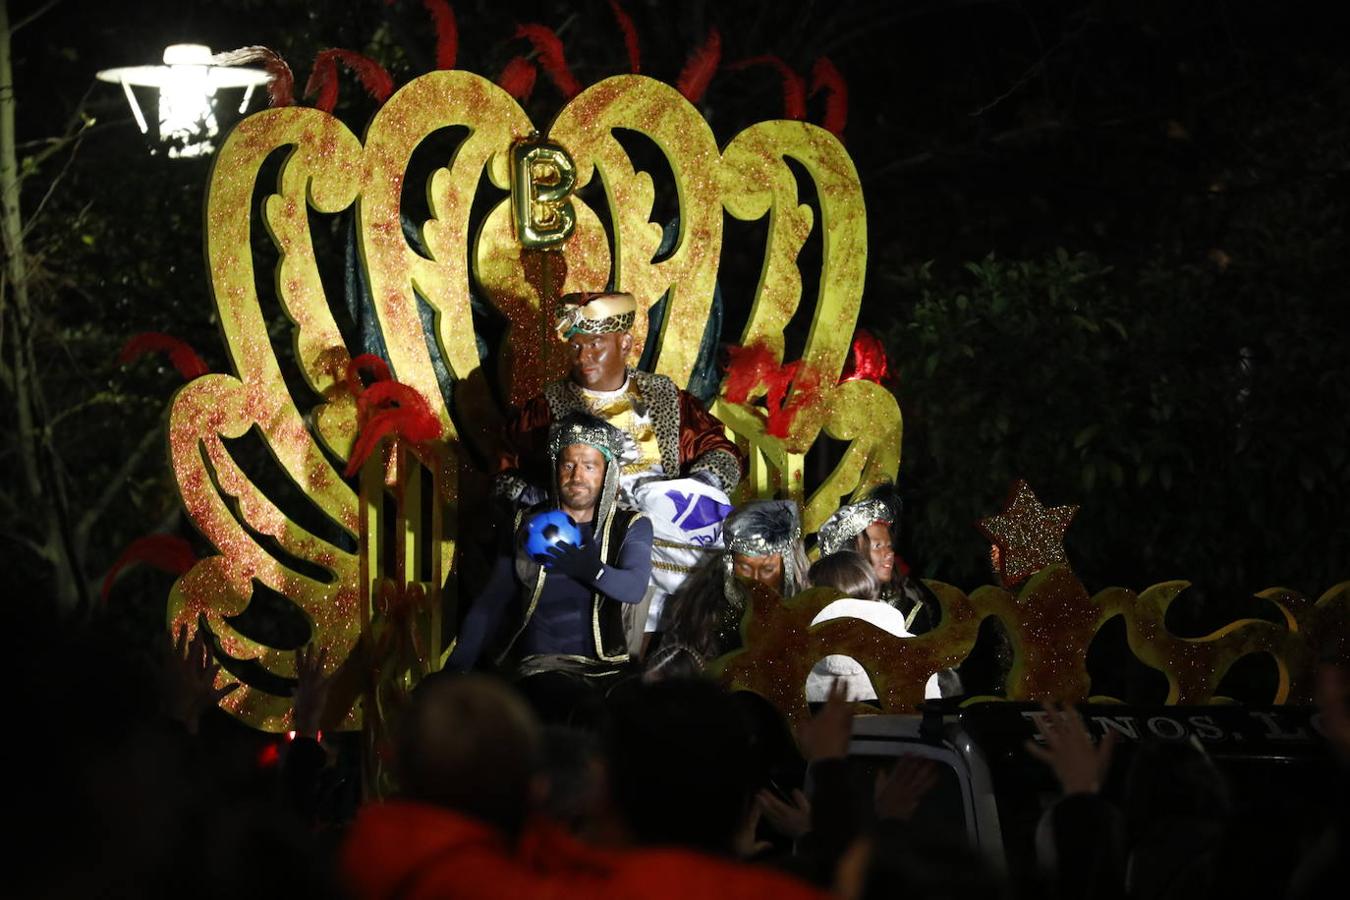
(698,514)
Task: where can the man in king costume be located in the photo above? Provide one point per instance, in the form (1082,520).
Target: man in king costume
(669,433)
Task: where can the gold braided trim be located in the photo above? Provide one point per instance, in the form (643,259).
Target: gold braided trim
(676,545)
(671,567)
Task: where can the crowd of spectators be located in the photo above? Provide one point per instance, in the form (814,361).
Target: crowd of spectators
(129,782)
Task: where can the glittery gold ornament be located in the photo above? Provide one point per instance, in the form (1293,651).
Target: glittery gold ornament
(1028,535)
(1050,624)
(327,169)
(387,598)
(543,178)
(862,413)
(586,127)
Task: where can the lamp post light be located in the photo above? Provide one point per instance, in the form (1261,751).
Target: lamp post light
(187,83)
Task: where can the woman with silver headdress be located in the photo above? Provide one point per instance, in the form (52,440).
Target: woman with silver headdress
(763,543)
(868,527)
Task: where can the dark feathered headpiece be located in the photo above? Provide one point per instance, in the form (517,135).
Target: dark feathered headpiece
(764,528)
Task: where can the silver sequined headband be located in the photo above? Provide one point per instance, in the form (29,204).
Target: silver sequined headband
(763,528)
(600,435)
(850,521)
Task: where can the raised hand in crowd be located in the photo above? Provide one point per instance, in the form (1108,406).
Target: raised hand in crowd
(311,690)
(826,735)
(1069,751)
(790,818)
(188,680)
(899,791)
(746,845)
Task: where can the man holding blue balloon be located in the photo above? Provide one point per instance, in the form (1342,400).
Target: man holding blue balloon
(554,601)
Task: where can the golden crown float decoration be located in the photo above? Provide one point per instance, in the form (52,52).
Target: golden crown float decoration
(390,459)
(373,579)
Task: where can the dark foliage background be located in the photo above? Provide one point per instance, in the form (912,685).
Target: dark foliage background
(1107,255)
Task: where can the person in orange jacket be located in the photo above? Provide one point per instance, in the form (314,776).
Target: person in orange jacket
(466,757)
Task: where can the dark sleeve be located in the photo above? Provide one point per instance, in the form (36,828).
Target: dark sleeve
(920,605)
(485,615)
(704,446)
(627,582)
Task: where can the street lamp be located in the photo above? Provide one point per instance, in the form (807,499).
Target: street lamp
(187,84)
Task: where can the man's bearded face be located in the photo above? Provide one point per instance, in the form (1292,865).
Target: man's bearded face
(581,475)
(767,570)
(598,359)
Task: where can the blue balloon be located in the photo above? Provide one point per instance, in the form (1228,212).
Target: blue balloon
(547,529)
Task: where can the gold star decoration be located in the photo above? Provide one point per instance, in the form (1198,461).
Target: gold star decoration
(1028,536)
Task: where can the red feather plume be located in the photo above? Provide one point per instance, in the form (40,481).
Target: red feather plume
(825,76)
(868,360)
(778,383)
(281,87)
(550,50)
(805,383)
(755,365)
(323,78)
(447,32)
(322,84)
(747,368)
(630,36)
(517,79)
(698,71)
(163,551)
(181,354)
(794,89)
(390,408)
(369,364)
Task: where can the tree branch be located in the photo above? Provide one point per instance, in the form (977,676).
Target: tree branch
(114,487)
(35,14)
(55,182)
(41,551)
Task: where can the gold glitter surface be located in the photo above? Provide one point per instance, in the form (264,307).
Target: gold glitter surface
(585,127)
(866,415)
(756,180)
(530,355)
(425,104)
(862,413)
(1028,535)
(225,505)
(1051,623)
